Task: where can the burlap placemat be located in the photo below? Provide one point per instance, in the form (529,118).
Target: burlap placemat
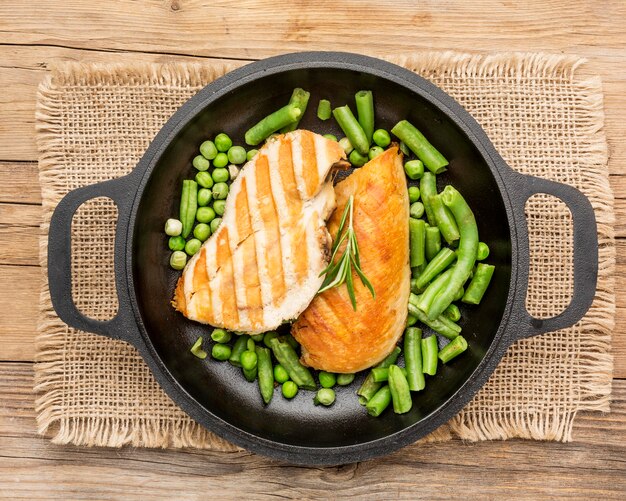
(94,122)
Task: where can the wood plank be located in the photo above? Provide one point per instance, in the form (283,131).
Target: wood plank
(591,467)
(19,234)
(19,182)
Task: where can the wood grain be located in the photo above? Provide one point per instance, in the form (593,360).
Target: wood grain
(592,467)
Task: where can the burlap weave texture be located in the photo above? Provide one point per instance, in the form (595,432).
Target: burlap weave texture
(94,122)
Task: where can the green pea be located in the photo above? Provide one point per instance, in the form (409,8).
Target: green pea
(204,179)
(178,260)
(483,251)
(257,338)
(220,191)
(204,197)
(201,163)
(414,169)
(221,352)
(382,138)
(345,379)
(237,155)
(205,215)
(221,160)
(268,337)
(219,206)
(215,224)
(289,389)
(357,159)
(176,243)
(416,210)
(223,142)
(375,151)
(221,336)
(280,374)
(414,194)
(325,397)
(202,231)
(173,227)
(327,379)
(332,137)
(251,154)
(193,246)
(208,150)
(345,143)
(248,360)
(220,175)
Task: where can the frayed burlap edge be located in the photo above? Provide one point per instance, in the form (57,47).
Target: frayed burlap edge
(596,365)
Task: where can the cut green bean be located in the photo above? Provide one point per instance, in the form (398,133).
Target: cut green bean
(417,232)
(480,281)
(345,379)
(438,264)
(428,188)
(250,344)
(292,341)
(452,312)
(197,350)
(416,141)
(483,251)
(352,129)
(410,320)
(251,154)
(453,349)
(365,112)
(324,111)
(430,351)
(459,294)
(271,123)
(433,242)
(268,336)
(345,143)
(265,373)
(188,206)
(381,374)
(433,289)
(325,397)
(288,358)
(357,159)
(221,336)
(300,99)
(400,392)
(441,325)
(379,401)
(369,386)
(241,345)
(332,137)
(250,374)
(445,220)
(257,338)
(413,358)
(404,149)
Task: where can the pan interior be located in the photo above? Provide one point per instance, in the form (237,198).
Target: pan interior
(220,388)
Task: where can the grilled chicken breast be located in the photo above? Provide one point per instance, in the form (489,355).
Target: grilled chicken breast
(333,336)
(261,267)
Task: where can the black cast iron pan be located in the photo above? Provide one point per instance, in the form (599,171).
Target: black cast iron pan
(215,394)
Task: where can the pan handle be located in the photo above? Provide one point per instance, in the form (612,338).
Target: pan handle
(585,251)
(122,191)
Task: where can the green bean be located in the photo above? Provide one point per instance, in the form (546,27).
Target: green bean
(416,271)
(332,137)
(374,152)
(381,138)
(428,188)
(357,159)
(459,294)
(271,123)
(221,352)
(400,392)
(202,231)
(288,358)
(417,231)
(483,251)
(220,191)
(466,253)
(208,150)
(280,374)
(222,142)
(452,312)
(404,149)
(440,325)
(345,143)
(300,99)
(188,206)
(251,154)
(200,163)
(221,336)
(416,210)
(414,194)
(381,374)
(369,386)
(414,169)
(289,389)
(205,214)
(327,379)
(413,358)
(365,111)
(433,242)
(257,338)
(173,227)
(445,220)
(324,111)
(192,246)
(215,224)
(480,281)
(344,379)
(221,160)
(236,155)
(410,320)
(436,266)
(250,344)
(219,206)
(265,373)
(352,129)
(429,355)
(425,151)
(434,288)
(379,401)
(204,197)
(178,260)
(204,179)
(238,348)
(248,359)
(268,336)
(325,397)
(197,350)
(452,349)
(250,374)
(292,341)
(220,175)
(176,243)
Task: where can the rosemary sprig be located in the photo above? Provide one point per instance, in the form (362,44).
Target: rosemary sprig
(341,271)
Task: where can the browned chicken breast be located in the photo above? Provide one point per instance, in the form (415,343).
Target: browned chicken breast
(261,267)
(333,336)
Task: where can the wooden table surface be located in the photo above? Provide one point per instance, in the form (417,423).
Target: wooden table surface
(34,34)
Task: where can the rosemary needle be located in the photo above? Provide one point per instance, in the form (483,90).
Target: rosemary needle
(341,271)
